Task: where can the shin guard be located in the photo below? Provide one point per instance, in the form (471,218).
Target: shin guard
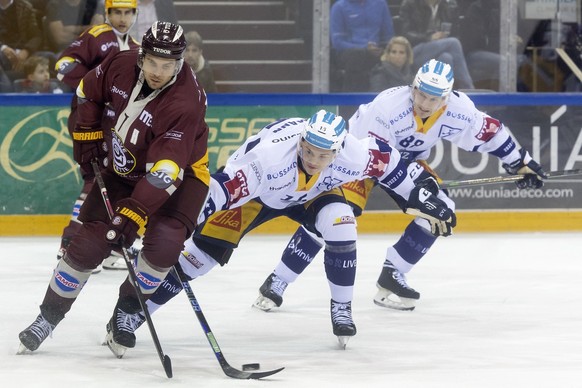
(414,243)
(340,268)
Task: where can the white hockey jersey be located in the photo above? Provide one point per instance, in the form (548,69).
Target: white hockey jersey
(266,168)
(390,117)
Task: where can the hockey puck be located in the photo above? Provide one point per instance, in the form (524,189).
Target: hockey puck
(255,366)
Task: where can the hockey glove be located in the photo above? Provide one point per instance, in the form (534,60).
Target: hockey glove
(88,145)
(129,216)
(429,184)
(423,204)
(529,168)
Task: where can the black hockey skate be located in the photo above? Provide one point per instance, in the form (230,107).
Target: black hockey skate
(341,321)
(393,291)
(35,334)
(122,325)
(271,293)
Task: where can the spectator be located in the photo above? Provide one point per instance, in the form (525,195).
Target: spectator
(67,19)
(480,35)
(359,30)
(395,68)
(19,36)
(36,69)
(193,57)
(148,11)
(573,47)
(427,24)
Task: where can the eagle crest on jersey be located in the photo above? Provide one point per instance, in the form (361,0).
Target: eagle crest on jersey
(379,160)
(489,129)
(237,187)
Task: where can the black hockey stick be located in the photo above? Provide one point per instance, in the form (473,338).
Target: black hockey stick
(503,179)
(226,368)
(164,358)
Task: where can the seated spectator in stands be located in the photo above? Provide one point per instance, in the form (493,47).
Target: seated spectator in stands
(36,69)
(428,24)
(542,69)
(5,83)
(359,31)
(395,68)
(573,47)
(19,35)
(148,11)
(480,35)
(67,19)
(193,57)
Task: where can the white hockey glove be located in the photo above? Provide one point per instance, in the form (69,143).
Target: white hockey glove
(424,204)
(529,168)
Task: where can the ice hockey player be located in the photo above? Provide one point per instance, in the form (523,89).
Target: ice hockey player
(294,168)
(84,54)
(412,119)
(144,112)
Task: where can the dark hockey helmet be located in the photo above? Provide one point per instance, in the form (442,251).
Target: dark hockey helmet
(164,39)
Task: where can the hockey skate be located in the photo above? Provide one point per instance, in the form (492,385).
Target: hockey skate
(341,321)
(121,327)
(115,261)
(35,334)
(393,291)
(270,293)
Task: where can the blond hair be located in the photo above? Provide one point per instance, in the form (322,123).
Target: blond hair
(398,40)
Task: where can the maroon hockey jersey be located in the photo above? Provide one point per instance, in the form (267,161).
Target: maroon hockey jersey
(88,51)
(153,140)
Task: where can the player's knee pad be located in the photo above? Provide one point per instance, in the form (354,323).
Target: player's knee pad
(68,281)
(163,241)
(87,250)
(194,261)
(336,222)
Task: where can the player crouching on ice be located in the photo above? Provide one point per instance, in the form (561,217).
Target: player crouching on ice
(294,168)
(420,115)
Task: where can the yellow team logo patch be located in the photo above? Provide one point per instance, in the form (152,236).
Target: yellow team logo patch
(343,220)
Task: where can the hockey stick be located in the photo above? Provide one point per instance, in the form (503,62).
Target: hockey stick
(503,179)
(164,358)
(226,368)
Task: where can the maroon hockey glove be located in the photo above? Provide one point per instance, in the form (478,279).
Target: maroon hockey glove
(529,168)
(88,144)
(129,216)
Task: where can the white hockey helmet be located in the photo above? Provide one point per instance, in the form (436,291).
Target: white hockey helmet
(325,130)
(435,78)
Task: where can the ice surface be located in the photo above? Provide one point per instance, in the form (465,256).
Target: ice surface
(496,310)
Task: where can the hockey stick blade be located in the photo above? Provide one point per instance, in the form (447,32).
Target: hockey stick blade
(504,179)
(239,374)
(226,368)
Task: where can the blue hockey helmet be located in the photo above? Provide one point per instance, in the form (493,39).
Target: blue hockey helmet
(325,130)
(435,78)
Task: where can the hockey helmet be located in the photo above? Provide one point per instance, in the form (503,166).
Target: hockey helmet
(435,78)
(325,130)
(164,39)
(120,4)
